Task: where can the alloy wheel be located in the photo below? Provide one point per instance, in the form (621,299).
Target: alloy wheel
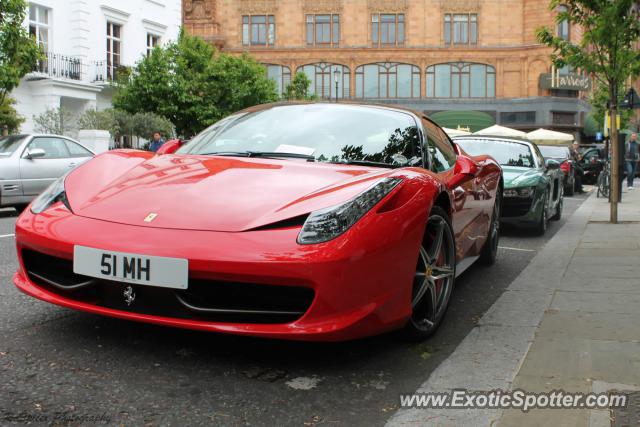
(434,275)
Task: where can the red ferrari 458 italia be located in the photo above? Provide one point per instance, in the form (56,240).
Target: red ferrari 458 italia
(307,221)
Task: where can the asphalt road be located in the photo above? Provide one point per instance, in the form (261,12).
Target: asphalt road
(60,367)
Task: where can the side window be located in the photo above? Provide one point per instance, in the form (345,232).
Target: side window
(77,150)
(441,152)
(54,148)
(539,156)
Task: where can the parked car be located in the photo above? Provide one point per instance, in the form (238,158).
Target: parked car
(30,163)
(308,221)
(562,155)
(533,188)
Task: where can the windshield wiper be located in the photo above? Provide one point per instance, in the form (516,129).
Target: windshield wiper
(306,157)
(365,163)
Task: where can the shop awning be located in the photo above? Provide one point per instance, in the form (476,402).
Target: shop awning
(452,119)
(550,136)
(497,130)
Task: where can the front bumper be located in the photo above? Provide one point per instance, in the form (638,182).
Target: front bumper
(521,211)
(361,281)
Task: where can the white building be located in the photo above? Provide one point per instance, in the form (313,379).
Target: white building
(86,41)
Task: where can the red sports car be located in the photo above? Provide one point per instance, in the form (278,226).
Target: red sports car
(310,221)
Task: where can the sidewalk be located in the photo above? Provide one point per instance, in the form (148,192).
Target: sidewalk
(570,321)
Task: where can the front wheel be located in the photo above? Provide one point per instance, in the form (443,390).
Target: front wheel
(433,279)
(559,208)
(543,222)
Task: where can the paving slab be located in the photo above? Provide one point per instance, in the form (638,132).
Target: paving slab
(596,302)
(594,326)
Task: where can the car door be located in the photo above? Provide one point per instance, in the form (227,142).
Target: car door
(553,180)
(465,209)
(78,153)
(38,173)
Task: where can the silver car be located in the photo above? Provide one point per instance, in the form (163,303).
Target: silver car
(29,163)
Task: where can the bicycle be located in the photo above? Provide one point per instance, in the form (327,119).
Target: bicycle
(604,180)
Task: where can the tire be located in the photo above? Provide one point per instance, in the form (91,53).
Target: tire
(489,251)
(20,208)
(571,189)
(434,278)
(543,222)
(559,209)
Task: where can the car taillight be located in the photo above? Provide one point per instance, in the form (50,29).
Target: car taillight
(566,166)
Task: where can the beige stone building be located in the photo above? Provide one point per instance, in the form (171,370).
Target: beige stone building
(466,60)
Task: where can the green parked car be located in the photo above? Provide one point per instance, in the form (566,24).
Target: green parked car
(533,190)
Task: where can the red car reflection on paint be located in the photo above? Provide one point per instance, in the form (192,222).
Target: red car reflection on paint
(309,221)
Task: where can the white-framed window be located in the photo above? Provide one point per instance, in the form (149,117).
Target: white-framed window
(40,25)
(258,30)
(114,48)
(153,40)
(461,28)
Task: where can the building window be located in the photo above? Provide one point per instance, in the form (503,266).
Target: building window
(113,48)
(563,28)
(39,25)
(322,76)
(323,30)
(388,80)
(461,80)
(387,28)
(518,118)
(460,28)
(258,30)
(153,40)
(564,118)
(279,74)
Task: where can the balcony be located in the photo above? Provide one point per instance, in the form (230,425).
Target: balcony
(58,66)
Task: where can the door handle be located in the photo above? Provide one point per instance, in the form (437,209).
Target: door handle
(71,165)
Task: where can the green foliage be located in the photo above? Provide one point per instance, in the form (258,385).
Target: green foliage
(9,116)
(18,51)
(298,89)
(611,29)
(57,121)
(120,123)
(599,100)
(193,86)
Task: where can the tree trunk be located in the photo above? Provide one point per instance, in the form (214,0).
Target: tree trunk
(615,153)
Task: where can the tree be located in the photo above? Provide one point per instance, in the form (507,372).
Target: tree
(599,101)
(100,120)
(9,116)
(192,85)
(18,51)
(298,89)
(607,50)
(57,121)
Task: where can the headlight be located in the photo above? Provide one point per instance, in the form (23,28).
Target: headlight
(327,224)
(55,193)
(519,192)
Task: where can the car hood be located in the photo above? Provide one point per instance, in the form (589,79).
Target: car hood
(520,177)
(209,193)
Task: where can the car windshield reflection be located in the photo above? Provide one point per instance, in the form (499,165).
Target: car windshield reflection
(505,152)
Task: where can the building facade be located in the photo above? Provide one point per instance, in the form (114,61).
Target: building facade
(465,60)
(85,42)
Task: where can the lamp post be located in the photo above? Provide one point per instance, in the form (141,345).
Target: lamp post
(336,79)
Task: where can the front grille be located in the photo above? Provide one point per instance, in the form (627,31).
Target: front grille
(207,300)
(512,207)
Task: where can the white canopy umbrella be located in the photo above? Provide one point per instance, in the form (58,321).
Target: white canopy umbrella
(550,136)
(497,130)
(455,132)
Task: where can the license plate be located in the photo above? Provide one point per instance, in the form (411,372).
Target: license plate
(131,268)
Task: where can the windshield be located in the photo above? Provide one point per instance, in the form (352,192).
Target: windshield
(9,144)
(320,132)
(554,152)
(506,153)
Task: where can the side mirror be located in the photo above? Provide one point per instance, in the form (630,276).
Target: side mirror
(170,147)
(464,170)
(552,164)
(35,153)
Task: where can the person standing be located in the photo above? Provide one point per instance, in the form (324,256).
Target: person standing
(577,168)
(631,158)
(156,142)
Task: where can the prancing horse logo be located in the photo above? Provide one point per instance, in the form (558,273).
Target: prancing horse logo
(129,295)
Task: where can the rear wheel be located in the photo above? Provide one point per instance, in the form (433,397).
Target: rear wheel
(571,188)
(433,279)
(559,208)
(490,248)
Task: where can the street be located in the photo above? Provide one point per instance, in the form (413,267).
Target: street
(54,360)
